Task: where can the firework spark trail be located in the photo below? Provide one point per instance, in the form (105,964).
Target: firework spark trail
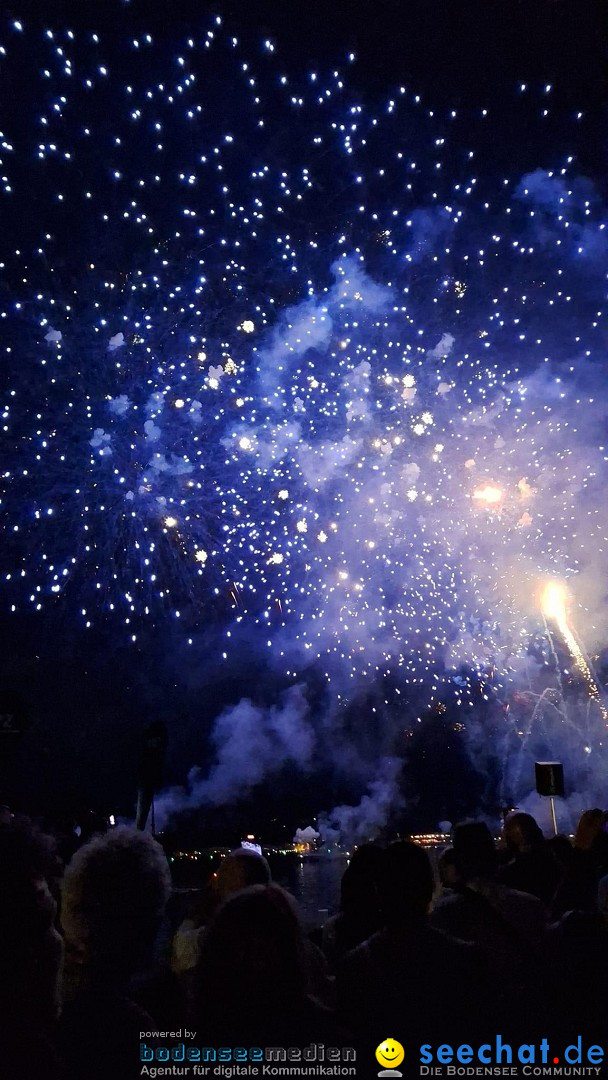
(554,608)
(555,659)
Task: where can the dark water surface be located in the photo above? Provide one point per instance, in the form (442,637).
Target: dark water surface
(315,883)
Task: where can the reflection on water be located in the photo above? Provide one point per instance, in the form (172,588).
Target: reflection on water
(313,880)
(315,883)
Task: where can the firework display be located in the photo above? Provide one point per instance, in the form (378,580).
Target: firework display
(554,608)
(297,361)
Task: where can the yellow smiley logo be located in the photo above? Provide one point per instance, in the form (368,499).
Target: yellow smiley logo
(390,1053)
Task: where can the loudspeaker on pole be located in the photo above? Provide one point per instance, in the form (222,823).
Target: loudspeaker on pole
(550,778)
(550,782)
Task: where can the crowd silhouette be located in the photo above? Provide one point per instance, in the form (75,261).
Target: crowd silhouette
(508,937)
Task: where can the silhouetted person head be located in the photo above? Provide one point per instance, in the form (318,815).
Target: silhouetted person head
(522,834)
(474,850)
(406,883)
(589,829)
(561,849)
(359,885)
(251,956)
(602,900)
(449,875)
(30,948)
(238,870)
(591,839)
(114,894)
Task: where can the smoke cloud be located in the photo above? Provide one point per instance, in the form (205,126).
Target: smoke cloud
(357,824)
(250,743)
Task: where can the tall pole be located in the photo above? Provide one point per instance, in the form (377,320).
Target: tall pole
(553,817)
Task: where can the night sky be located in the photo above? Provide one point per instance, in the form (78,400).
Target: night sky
(303,402)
